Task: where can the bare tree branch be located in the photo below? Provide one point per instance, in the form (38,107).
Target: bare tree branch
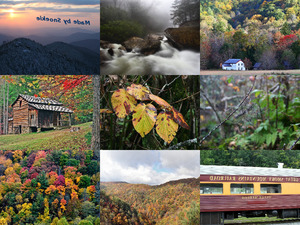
(185,143)
(295,143)
(168,84)
(239,105)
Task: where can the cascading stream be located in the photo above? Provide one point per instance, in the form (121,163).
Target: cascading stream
(167,61)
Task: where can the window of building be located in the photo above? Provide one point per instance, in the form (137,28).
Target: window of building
(20,103)
(211,188)
(270,188)
(241,189)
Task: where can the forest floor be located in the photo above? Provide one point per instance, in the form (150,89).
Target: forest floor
(250,72)
(49,140)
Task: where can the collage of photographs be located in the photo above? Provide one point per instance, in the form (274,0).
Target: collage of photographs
(189,110)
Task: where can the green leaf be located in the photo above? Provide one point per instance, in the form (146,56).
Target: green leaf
(256,92)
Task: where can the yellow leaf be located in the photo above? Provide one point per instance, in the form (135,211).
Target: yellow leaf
(201,117)
(23,80)
(138,91)
(143,118)
(123,103)
(166,127)
(30,84)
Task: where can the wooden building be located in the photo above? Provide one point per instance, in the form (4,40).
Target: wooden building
(31,114)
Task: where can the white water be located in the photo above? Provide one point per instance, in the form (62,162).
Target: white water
(167,61)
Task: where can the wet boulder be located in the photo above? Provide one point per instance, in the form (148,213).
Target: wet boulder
(185,37)
(134,43)
(147,46)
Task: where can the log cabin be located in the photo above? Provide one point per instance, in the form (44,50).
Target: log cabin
(32,114)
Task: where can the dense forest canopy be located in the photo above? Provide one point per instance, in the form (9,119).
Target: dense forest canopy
(260,158)
(170,203)
(49,187)
(265,31)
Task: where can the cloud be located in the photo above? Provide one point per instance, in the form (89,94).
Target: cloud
(89,6)
(149,167)
(67,2)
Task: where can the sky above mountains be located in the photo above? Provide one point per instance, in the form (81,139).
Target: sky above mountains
(149,167)
(21,15)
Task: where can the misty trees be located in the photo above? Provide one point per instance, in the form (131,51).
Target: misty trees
(185,10)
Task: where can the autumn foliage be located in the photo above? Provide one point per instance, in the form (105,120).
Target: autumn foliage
(40,187)
(143,204)
(125,102)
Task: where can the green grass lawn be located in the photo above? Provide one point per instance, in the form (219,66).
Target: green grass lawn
(49,140)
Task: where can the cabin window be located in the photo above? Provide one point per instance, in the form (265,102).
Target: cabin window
(241,189)
(270,188)
(32,117)
(20,103)
(211,188)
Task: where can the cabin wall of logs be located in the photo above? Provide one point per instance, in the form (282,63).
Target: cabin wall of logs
(20,116)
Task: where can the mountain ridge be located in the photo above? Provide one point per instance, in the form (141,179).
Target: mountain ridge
(25,56)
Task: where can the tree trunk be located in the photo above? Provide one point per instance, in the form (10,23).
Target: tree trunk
(7,108)
(96,115)
(3,112)
(1,121)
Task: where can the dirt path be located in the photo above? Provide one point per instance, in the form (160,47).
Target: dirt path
(250,72)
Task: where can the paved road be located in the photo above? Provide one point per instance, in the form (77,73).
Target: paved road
(250,72)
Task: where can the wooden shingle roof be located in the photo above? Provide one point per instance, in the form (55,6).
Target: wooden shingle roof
(56,108)
(39,100)
(44,104)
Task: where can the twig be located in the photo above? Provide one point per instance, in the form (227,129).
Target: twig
(196,140)
(185,98)
(188,142)
(211,105)
(232,97)
(295,143)
(168,84)
(220,124)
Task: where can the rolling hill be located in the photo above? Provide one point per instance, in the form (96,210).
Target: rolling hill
(168,203)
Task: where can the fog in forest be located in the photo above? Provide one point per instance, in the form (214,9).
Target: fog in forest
(156,14)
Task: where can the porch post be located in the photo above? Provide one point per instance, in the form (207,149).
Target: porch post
(69,119)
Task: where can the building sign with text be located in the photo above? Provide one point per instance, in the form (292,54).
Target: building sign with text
(239,178)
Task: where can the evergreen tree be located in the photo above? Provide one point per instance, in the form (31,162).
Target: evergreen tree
(286,29)
(185,10)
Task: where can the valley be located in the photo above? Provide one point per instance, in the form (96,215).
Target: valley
(174,202)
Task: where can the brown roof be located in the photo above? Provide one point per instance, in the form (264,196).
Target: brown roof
(44,104)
